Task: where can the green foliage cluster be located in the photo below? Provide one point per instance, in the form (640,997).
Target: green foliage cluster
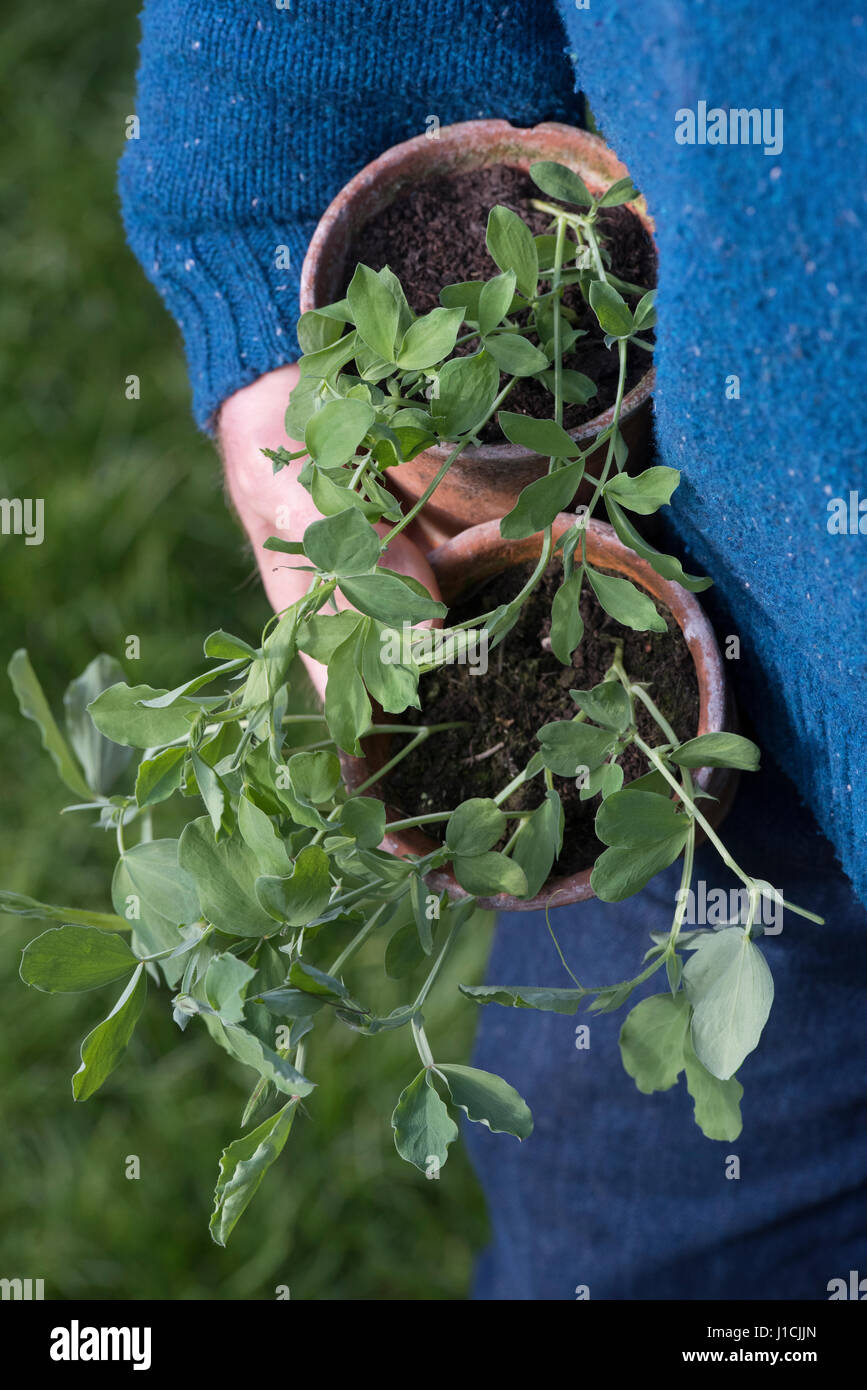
(241,913)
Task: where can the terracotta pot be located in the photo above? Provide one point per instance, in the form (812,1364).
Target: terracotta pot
(479,553)
(484,483)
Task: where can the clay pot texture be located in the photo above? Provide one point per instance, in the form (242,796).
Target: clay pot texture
(484,483)
(479,553)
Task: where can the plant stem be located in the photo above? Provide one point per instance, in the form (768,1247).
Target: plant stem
(420,737)
(654,758)
(357,941)
(442,957)
(419,1037)
(441,472)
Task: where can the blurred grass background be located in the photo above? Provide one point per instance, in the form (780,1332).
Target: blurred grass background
(138,540)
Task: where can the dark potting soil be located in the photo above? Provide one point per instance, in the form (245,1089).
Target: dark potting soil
(525,687)
(434,235)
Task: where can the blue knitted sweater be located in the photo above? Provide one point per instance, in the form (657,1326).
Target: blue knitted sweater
(253,116)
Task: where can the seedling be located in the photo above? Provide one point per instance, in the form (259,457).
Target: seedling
(254,915)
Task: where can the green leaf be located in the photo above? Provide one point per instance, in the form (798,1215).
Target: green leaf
(541,501)
(317,330)
(257,830)
(252,1052)
(309,980)
(226,979)
(243,1165)
(423,929)
(375,311)
(331,497)
(322,634)
(283,547)
(423,1127)
(567,625)
(666,565)
(154,895)
(510,243)
(430,339)
(717,1103)
(224,875)
(300,896)
(320,365)
(643,492)
(623,191)
(403,952)
(102,760)
(575,387)
(465,295)
(555,1001)
(119,714)
(388,599)
(606,704)
(347,708)
(104,1047)
(33,705)
(468,387)
(314,776)
(626,603)
(717,750)
(730,987)
(612,780)
(363,817)
(544,437)
(345,544)
(488,1100)
(211,791)
(495,301)
(291,1003)
(568,746)
(561,183)
(611,309)
(158,777)
(21,906)
(539,842)
(475,826)
(639,817)
(70,960)
(489,874)
(624,869)
(652,1041)
(645,311)
(392,684)
(514,355)
(334,433)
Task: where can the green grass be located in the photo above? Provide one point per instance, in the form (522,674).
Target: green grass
(138,541)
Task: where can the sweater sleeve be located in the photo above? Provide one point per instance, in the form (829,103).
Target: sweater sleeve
(760,349)
(251,118)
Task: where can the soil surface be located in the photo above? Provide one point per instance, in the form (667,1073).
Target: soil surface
(525,687)
(434,236)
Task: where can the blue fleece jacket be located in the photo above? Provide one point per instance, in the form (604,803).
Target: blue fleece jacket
(252,117)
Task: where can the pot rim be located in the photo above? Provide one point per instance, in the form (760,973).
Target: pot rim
(452,563)
(591,155)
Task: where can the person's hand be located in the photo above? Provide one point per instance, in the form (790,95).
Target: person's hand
(275,504)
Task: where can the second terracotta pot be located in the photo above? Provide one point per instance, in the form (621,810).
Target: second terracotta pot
(485,482)
(479,553)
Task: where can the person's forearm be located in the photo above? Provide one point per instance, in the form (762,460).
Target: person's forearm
(251,120)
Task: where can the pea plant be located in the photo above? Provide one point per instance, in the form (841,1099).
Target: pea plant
(253,916)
